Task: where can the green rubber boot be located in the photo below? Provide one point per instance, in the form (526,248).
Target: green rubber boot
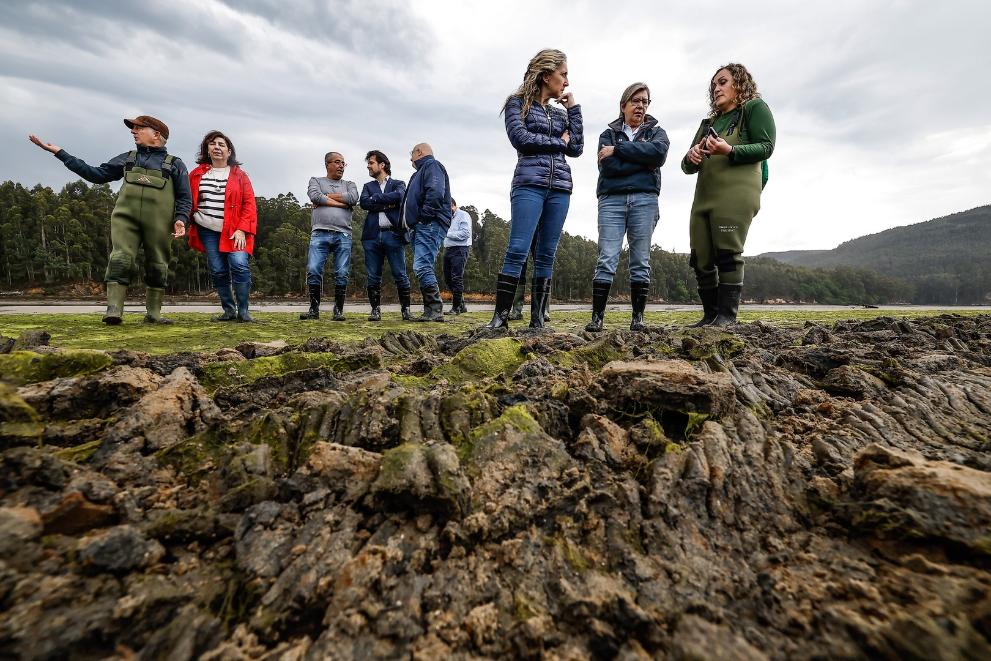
(115,303)
(153,306)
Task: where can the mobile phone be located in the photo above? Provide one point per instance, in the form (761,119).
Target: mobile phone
(711,133)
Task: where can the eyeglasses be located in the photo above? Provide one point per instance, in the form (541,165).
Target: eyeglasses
(337,162)
(640,102)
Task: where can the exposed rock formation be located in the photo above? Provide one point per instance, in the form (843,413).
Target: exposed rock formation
(763,493)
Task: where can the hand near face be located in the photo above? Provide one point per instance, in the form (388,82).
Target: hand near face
(239,239)
(567,100)
(179,229)
(47,146)
(606,152)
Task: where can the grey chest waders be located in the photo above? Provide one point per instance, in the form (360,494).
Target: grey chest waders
(143,217)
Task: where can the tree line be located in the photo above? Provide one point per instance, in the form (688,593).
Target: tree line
(51,240)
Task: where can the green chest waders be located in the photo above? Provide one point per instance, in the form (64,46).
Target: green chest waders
(727,197)
(143,217)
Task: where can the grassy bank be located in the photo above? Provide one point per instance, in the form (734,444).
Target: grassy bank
(195,332)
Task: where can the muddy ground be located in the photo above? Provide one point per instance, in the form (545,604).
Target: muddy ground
(766,492)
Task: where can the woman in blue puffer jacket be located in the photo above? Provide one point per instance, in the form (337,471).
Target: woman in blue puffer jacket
(541,192)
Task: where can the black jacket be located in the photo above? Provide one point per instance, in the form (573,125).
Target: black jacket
(635,166)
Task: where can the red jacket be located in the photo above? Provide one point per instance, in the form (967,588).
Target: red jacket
(240,212)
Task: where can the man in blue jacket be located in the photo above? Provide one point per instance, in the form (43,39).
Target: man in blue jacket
(381,237)
(426,210)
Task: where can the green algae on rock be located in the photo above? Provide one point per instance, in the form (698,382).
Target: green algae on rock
(243,372)
(483,359)
(427,473)
(24,367)
(19,422)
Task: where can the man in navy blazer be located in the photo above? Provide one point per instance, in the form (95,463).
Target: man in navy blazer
(382,236)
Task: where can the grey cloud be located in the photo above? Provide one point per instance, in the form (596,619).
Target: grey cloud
(386,31)
(103,28)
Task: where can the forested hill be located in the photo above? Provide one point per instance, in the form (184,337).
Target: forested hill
(56,244)
(945,259)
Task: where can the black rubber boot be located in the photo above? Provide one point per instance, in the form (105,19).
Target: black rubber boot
(710,308)
(728,304)
(226,303)
(547,303)
(457,303)
(518,299)
(153,306)
(600,296)
(404,304)
(242,290)
(115,303)
(540,289)
(505,293)
(375,300)
(340,293)
(433,306)
(314,311)
(638,298)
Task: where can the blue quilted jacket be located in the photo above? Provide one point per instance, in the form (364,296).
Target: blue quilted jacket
(538,143)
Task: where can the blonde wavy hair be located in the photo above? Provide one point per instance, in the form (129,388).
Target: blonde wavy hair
(545,62)
(743,82)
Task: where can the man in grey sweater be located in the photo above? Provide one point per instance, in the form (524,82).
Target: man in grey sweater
(333,199)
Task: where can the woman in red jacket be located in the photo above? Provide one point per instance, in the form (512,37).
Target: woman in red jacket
(224,222)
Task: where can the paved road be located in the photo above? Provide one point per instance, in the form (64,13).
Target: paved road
(81,307)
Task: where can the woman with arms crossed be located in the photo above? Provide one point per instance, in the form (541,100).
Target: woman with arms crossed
(729,155)
(541,190)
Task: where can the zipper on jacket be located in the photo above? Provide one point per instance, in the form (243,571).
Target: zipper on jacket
(550,134)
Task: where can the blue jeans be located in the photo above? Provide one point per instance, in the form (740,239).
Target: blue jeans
(386,246)
(632,214)
(537,218)
(225,267)
(455,259)
(322,243)
(427,240)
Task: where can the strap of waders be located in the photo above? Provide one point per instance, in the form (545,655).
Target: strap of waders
(167,166)
(132,158)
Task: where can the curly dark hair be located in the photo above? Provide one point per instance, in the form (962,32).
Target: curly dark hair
(743,82)
(204,154)
(381,159)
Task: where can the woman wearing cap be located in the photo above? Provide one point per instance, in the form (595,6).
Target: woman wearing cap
(729,155)
(632,150)
(224,222)
(541,190)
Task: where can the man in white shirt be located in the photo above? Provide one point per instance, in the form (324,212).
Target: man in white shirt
(457,245)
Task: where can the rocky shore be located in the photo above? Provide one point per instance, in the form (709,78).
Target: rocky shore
(762,493)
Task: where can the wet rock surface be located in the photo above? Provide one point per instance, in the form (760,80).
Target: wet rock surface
(759,493)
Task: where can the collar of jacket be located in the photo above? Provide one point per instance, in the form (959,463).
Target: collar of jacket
(206,167)
(648,123)
(423,160)
(151,150)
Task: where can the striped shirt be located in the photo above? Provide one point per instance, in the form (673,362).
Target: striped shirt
(210,200)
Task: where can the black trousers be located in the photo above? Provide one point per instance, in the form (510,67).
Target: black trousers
(455,258)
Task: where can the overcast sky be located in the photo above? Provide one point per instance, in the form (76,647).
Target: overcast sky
(882,108)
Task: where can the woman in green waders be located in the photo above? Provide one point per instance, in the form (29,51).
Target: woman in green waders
(729,154)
